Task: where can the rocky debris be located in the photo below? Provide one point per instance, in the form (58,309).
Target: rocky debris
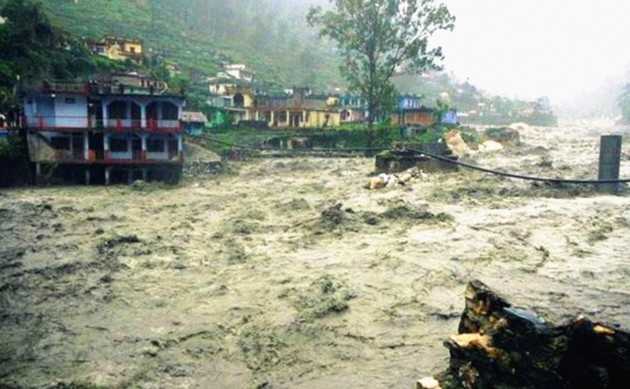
(196,153)
(409,212)
(456,143)
(202,168)
(116,241)
(326,296)
(405,156)
(490,146)
(390,180)
(520,127)
(337,219)
(499,345)
(428,383)
(505,135)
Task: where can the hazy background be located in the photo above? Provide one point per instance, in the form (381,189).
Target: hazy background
(575,52)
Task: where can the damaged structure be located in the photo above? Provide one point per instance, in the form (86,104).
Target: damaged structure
(502,346)
(113,130)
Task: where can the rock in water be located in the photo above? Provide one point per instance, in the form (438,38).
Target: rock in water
(456,143)
(505,135)
(502,346)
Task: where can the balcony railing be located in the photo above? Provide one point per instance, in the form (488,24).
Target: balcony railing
(86,123)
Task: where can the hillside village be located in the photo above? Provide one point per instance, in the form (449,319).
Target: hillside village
(121,126)
(114,109)
(236,94)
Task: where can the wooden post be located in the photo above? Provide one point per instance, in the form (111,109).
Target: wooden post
(609,162)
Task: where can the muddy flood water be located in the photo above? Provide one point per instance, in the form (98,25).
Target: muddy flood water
(289,273)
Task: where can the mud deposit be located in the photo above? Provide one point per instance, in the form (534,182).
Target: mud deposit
(290,274)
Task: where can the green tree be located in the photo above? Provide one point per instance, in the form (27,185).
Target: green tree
(33,48)
(378,38)
(624,103)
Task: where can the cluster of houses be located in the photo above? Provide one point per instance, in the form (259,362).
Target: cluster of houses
(123,127)
(234,100)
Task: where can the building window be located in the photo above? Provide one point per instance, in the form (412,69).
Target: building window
(170,111)
(71,100)
(60,142)
(118,145)
(155,146)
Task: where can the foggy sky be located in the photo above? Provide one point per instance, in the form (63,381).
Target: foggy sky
(531,48)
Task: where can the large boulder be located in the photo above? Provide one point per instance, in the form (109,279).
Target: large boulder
(490,146)
(505,135)
(456,143)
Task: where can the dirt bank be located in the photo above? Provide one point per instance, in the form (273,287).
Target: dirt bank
(290,274)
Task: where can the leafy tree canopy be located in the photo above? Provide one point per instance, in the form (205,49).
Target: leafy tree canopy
(378,38)
(33,48)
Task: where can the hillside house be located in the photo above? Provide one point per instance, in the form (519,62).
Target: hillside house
(234,102)
(194,123)
(239,72)
(103,131)
(421,116)
(296,111)
(353,109)
(118,48)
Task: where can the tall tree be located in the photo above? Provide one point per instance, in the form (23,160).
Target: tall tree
(378,38)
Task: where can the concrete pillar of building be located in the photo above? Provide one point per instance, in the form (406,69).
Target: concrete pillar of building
(288,118)
(86,146)
(88,176)
(128,114)
(130,144)
(105,105)
(145,174)
(38,169)
(143,140)
(257,116)
(106,147)
(272,118)
(108,172)
(143,115)
(303,121)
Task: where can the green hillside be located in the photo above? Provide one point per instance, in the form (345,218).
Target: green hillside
(197,35)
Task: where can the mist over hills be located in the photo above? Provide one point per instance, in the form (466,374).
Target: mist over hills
(272,37)
(198,35)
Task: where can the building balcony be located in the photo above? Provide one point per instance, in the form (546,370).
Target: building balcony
(76,123)
(100,157)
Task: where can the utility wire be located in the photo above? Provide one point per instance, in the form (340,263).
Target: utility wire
(520,176)
(434,156)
